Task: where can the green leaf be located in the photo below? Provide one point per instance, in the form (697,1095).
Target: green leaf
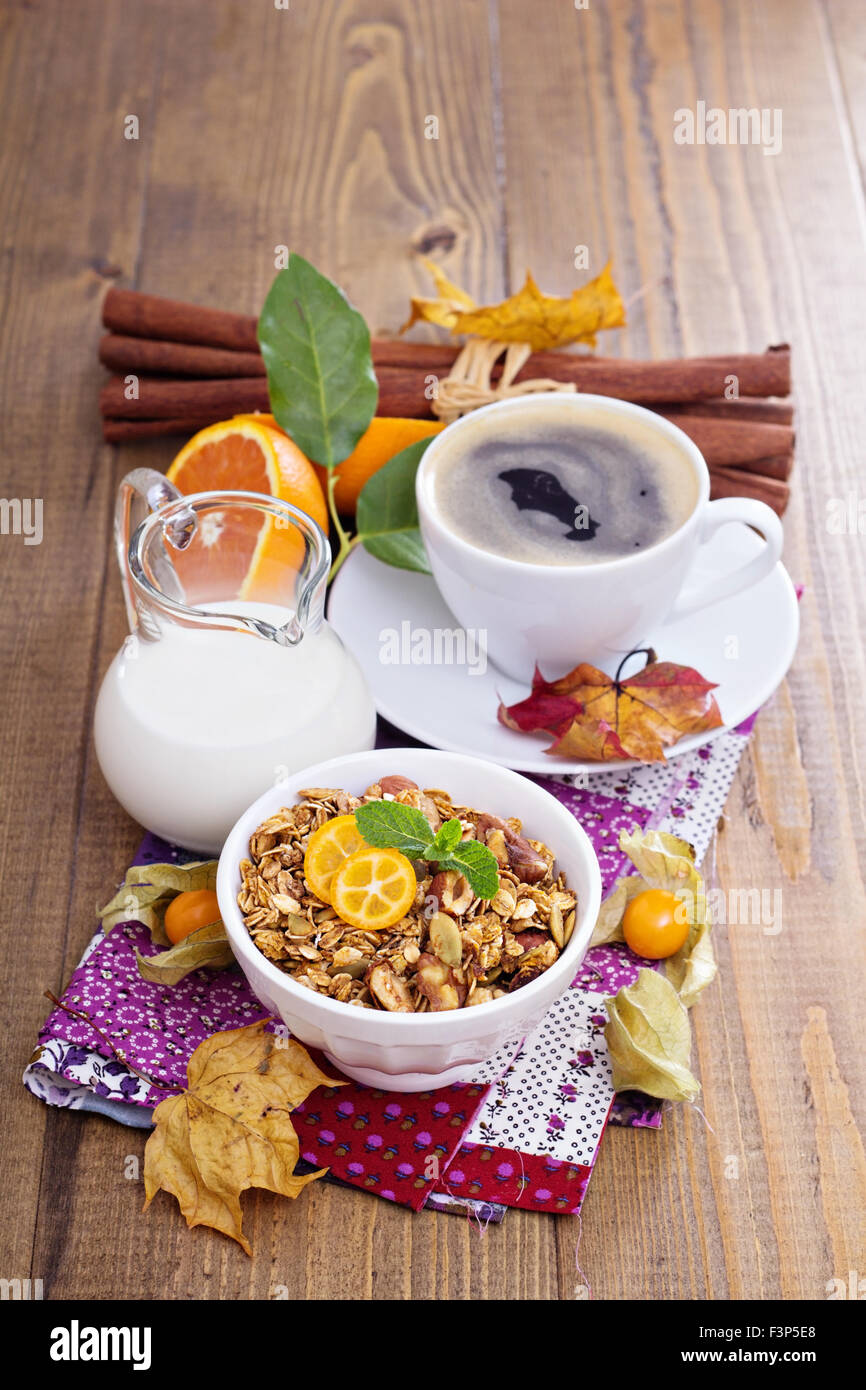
(387,514)
(146,901)
(206,946)
(649,1039)
(390,824)
(447,836)
(478,866)
(316,350)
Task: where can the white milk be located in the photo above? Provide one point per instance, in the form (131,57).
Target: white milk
(191,728)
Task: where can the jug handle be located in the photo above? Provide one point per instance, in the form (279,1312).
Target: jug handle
(153,490)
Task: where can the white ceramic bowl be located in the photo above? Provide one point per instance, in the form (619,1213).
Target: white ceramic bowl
(416,1052)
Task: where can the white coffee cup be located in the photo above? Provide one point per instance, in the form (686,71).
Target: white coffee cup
(557,615)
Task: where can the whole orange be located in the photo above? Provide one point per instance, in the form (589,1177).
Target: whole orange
(386,436)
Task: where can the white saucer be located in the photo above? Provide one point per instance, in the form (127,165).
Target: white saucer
(745,643)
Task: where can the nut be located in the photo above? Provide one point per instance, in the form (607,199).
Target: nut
(347,955)
(479,995)
(498,846)
(531,938)
(389,990)
(438,984)
(413,796)
(474,949)
(445,938)
(505,900)
(534,963)
(529,865)
(392,785)
(452,892)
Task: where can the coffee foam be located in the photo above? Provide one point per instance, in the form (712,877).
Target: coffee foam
(636,485)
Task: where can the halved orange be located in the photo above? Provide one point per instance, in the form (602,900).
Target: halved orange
(374,888)
(236,552)
(328,848)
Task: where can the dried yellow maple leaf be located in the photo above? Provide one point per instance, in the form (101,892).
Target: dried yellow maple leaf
(442,310)
(543,321)
(231,1128)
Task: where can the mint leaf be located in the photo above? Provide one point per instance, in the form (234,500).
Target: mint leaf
(316,350)
(447,836)
(387,514)
(391,825)
(478,866)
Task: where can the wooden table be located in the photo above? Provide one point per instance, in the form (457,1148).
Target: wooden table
(308,127)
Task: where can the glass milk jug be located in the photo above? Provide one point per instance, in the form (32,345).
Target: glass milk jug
(231,679)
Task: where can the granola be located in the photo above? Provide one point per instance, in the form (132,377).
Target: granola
(451,950)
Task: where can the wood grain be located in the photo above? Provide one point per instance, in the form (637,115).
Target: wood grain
(306,128)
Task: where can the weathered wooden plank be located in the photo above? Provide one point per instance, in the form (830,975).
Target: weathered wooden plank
(260,127)
(307,127)
(64,232)
(749,246)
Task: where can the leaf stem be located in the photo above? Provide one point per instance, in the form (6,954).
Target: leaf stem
(347,542)
(638,651)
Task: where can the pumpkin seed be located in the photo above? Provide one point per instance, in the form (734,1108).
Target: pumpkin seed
(556,926)
(445,939)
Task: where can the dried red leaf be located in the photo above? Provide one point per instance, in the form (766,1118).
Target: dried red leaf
(596,717)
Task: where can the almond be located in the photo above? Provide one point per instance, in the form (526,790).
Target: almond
(445,939)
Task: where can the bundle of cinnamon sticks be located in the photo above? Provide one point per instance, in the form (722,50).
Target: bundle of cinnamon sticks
(192,366)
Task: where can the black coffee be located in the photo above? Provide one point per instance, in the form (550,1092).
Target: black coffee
(553,487)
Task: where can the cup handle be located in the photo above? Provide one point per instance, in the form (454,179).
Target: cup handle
(717,514)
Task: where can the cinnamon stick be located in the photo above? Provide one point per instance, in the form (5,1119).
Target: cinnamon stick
(149,316)
(736,482)
(131,314)
(748,481)
(646,383)
(401,393)
(115,431)
(732,442)
(770,412)
(736,441)
(166,398)
(158,357)
(776,466)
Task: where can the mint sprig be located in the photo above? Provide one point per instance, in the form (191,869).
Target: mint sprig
(391,825)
